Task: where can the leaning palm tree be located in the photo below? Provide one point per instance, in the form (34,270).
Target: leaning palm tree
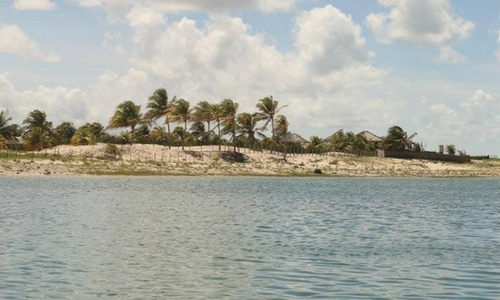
(230,108)
(159,107)
(218,115)
(203,112)
(268,108)
(6,130)
(181,113)
(246,127)
(127,114)
(281,126)
(37,119)
(37,139)
(398,140)
(85,135)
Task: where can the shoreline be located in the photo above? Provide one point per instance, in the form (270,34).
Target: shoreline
(156,160)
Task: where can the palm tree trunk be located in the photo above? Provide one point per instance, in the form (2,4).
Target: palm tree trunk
(132,141)
(220,140)
(168,130)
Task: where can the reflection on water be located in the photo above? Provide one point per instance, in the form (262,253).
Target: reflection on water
(239,238)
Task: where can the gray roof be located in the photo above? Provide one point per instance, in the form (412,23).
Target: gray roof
(370,136)
(293,138)
(330,138)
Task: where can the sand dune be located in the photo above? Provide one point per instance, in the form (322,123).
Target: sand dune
(141,159)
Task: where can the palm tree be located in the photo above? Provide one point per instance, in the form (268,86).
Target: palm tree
(203,112)
(398,140)
(6,130)
(38,119)
(246,127)
(37,139)
(315,145)
(39,133)
(64,132)
(230,108)
(218,115)
(268,108)
(281,126)
(181,113)
(88,134)
(127,114)
(159,107)
(159,135)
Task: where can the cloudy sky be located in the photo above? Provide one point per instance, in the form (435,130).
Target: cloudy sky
(430,66)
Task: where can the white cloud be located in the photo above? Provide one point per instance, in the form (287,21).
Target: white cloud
(497,53)
(34,5)
(425,23)
(144,16)
(14,41)
(329,40)
(177,6)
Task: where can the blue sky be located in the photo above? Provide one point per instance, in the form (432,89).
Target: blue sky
(430,66)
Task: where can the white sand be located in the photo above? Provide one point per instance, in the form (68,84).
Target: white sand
(140,159)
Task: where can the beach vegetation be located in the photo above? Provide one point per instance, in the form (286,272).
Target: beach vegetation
(127,114)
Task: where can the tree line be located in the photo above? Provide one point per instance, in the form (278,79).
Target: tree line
(202,124)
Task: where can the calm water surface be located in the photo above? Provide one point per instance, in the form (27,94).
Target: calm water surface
(249,238)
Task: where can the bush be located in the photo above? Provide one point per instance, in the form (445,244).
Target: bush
(112,151)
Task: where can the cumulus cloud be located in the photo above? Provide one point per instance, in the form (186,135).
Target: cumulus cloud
(425,23)
(33,5)
(60,103)
(96,103)
(329,40)
(222,58)
(14,41)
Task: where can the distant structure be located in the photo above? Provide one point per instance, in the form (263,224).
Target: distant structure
(373,138)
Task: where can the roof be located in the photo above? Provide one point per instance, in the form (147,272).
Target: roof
(330,138)
(370,136)
(293,138)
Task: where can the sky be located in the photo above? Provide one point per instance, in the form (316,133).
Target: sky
(429,66)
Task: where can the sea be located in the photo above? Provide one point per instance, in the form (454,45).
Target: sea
(249,238)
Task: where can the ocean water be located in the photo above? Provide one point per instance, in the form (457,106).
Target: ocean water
(249,238)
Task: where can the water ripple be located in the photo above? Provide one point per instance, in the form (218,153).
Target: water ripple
(248,238)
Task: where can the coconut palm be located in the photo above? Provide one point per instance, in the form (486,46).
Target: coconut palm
(37,139)
(159,107)
(38,119)
(6,130)
(315,145)
(218,117)
(230,108)
(198,131)
(64,132)
(246,127)
(88,134)
(39,133)
(159,135)
(181,113)
(281,126)
(268,108)
(203,112)
(127,114)
(398,140)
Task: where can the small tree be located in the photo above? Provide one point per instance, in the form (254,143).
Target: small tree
(451,150)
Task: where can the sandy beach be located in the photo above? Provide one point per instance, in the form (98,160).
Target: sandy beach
(141,159)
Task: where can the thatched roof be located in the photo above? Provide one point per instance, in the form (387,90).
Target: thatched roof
(370,136)
(293,138)
(330,138)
